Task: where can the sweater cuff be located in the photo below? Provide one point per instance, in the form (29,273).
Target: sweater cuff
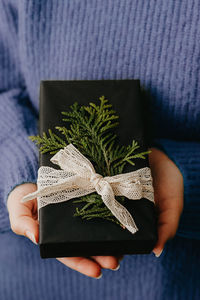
(186,155)
(19,164)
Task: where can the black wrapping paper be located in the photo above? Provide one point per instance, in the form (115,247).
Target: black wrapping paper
(60,233)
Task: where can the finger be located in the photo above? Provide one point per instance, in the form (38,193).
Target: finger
(17,194)
(108,262)
(25,225)
(23,220)
(168,221)
(83,265)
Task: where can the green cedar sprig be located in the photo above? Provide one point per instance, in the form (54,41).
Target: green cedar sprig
(90,130)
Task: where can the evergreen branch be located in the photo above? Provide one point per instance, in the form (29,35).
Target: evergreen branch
(90,129)
(50,144)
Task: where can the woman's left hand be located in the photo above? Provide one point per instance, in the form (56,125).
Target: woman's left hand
(168,193)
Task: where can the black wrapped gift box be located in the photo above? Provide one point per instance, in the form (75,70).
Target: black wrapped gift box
(60,233)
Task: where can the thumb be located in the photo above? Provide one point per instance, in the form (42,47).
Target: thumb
(167,227)
(23,216)
(27,226)
(24,224)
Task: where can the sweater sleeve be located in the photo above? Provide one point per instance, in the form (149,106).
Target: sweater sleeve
(18,118)
(186,155)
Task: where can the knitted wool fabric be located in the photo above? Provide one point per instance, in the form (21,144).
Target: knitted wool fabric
(155,41)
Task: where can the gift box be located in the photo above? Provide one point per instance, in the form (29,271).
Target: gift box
(60,233)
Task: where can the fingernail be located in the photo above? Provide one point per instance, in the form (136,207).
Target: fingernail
(31,236)
(98,276)
(117,268)
(158,254)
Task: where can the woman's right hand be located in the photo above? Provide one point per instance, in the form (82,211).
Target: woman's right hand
(23,220)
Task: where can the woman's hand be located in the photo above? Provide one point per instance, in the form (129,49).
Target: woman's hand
(168,191)
(23,220)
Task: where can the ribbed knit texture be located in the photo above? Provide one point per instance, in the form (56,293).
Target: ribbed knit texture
(25,276)
(155,41)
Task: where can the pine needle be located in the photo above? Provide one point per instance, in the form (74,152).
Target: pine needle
(91,129)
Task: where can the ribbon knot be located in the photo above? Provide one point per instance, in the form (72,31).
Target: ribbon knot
(95,179)
(77,177)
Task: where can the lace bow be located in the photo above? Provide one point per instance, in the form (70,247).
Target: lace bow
(77,178)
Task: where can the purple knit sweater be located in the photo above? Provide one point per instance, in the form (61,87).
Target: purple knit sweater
(155,41)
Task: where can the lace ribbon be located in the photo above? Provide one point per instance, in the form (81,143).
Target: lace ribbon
(77,178)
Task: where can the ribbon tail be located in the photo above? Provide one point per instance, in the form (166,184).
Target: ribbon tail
(44,191)
(30,196)
(67,186)
(117,209)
